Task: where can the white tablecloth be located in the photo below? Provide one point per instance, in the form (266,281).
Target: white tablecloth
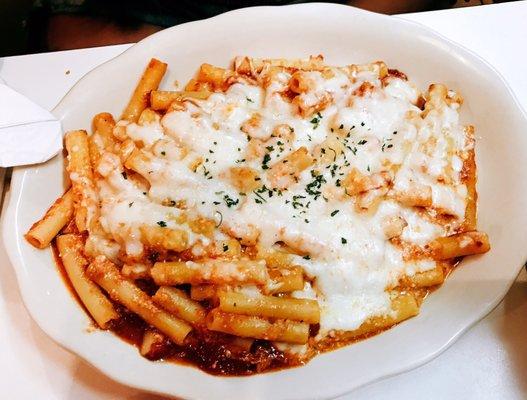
(488,362)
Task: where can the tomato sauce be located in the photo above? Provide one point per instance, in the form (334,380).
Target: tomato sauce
(213,352)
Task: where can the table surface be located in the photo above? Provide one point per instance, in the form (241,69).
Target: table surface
(489,361)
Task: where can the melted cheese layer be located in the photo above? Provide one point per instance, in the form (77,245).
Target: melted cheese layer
(341,239)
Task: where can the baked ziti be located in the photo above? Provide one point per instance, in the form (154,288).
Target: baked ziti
(266,212)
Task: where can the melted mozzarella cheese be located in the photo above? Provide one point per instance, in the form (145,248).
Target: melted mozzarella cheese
(351,262)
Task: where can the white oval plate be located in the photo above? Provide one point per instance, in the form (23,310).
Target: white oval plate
(344,35)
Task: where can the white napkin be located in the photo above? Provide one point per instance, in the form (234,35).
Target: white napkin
(29,134)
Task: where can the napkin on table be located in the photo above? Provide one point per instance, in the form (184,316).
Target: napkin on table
(29,134)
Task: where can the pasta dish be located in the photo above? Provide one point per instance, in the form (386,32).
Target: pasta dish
(266,212)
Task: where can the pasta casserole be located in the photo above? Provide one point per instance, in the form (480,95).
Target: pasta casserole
(267,212)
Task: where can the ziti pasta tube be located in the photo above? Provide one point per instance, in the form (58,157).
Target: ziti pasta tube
(203,292)
(284,280)
(258,328)
(149,81)
(152,343)
(103,125)
(81,175)
(461,244)
(217,272)
(160,100)
(304,310)
(59,214)
(429,278)
(177,302)
(106,275)
(71,253)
